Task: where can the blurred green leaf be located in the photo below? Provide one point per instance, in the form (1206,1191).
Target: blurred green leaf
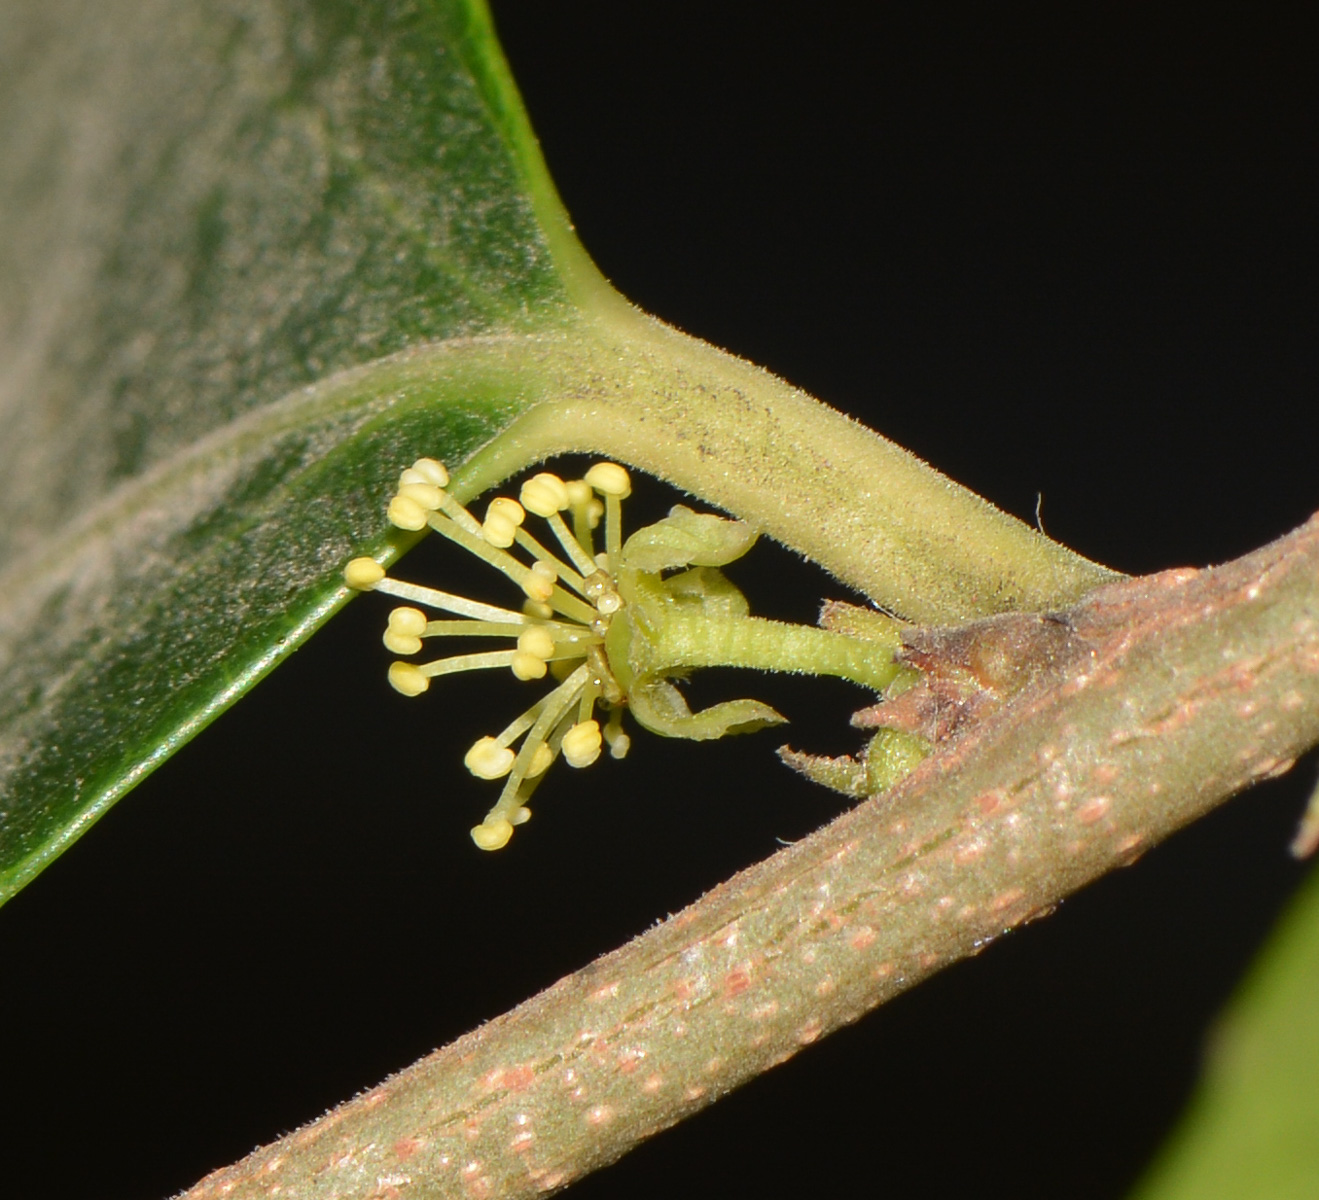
(1252,1130)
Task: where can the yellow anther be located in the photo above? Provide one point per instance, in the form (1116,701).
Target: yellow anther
(581,744)
(406,513)
(406,625)
(430,470)
(487,759)
(544,494)
(492,835)
(594,511)
(507,508)
(499,528)
(579,491)
(400,643)
(538,609)
(538,641)
(363,574)
(520,816)
(539,585)
(540,761)
(426,494)
(610,480)
(408,621)
(618,742)
(527,666)
(407,678)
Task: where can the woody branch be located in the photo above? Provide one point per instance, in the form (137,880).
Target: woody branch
(1148,703)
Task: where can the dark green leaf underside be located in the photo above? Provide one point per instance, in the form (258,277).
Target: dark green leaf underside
(209,207)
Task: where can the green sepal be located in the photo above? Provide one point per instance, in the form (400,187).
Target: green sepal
(634,645)
(658,706)
(651,601)
(686,538)
(892,753)
(842,774)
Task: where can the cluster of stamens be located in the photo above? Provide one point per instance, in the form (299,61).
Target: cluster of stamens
(559,631)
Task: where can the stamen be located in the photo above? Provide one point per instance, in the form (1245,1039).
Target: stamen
(473,540)
(424,482)
(614,483)
(412,679)
(554,706)
(459,516)
(505,507)
(539,585)
(527,666)
(411,622)
(547,558)
(561,668)
(618,742)
(426,470)
(579,492)
(407,513)
(538,641)
(519,725)
(502,519)
(492,834)
(581,744)
(472,629)
(433,476)
(362,574)
(504,562)
(407,678)
(544,494)
(400,643)
(487,759)
(609,479)
(570,606)
(613,531)
(406,625)
(541,759)
(426,494)
(466,662)
(587,704)
(448,602)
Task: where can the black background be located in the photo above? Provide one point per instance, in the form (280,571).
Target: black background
(1058,250)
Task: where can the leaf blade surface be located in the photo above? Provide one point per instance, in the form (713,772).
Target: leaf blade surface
(211,209)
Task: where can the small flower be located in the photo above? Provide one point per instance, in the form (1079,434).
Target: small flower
(571,600)
(612,628)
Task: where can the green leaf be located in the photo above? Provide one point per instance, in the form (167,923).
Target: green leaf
(257,256)
(206,212)
(1253,1128)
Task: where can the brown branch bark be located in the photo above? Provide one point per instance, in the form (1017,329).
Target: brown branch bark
(1143,707)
